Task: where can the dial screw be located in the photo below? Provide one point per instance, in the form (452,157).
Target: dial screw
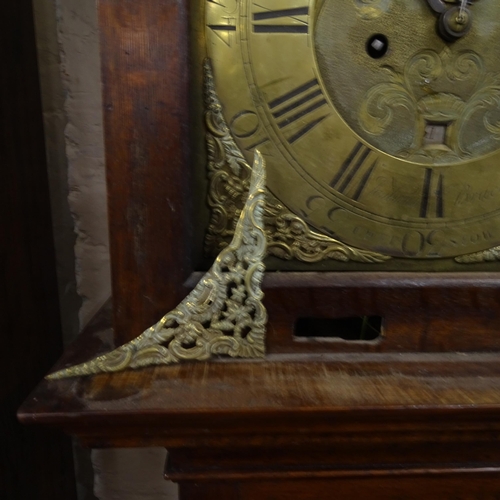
(455,23)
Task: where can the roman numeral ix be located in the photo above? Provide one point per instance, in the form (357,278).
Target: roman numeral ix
(355,172)
(296,105)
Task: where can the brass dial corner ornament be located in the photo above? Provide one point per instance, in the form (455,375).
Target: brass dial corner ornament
(288,236)
(379,131)
(491,255)
(223,315)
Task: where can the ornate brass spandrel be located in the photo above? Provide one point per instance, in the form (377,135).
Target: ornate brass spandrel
(223,315)
(228,171)
(491,255)
(288,236)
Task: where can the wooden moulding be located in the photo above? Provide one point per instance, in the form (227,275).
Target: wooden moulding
(370,422)
(460,484)
(421,312)
(285,399)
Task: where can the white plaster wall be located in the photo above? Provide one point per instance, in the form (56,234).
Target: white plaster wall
(54,118)
(80,70)
(70,76)
(132,474)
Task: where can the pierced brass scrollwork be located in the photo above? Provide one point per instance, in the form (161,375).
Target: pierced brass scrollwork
(491,255)
(223,315)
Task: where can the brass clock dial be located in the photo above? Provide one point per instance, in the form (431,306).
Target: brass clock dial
(378,130)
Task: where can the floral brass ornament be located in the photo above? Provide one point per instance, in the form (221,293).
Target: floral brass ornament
(288,236)
(476,93)
(223,315)
(491,255)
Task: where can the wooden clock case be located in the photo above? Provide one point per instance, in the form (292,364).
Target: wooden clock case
(415,410)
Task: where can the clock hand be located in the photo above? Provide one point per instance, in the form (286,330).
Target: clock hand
(461,15)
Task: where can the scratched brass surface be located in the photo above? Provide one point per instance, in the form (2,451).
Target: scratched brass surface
(343,134)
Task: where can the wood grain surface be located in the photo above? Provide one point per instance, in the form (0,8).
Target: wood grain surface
(303,425)
(145,72)
(283,395)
